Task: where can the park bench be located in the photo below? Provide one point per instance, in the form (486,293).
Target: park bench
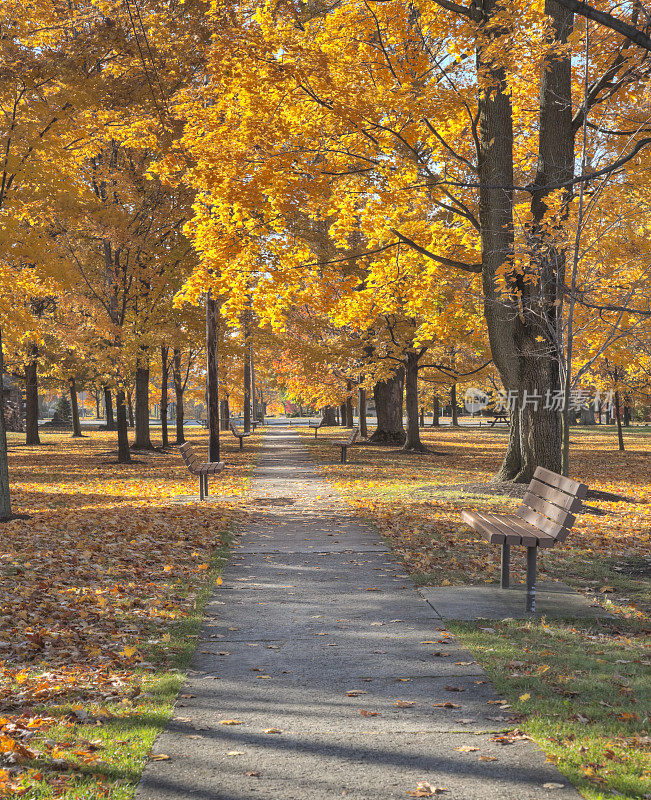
(202,469)
(317,425)
(346,443)
(238,433)
(545,517)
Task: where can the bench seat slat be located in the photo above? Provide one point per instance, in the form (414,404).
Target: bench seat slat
(474,519)
(567,485)
(531,536)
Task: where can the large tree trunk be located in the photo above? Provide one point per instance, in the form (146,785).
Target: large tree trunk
(342,415)
(124,453)
(164,381)
(143,439)
(74,405)
(388,406)
(361,402)
(178,396)
(5,495)
(212,374)
(412,442)
(329,416)
(31,399)
(224,414)
(108,406)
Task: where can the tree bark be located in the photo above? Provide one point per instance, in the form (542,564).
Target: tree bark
(329,416)
(436,412)
(143,438)
(5,494)
(224,414)
(454,421)
(388,404)
(124,452)
(164,385)
(74,405)
(412,442)
(178,396)
(361,402)
(132,423)
(618,417)
(31,399)
(108,406)
(212,374)
(247,381)
(350,418)
(342,415)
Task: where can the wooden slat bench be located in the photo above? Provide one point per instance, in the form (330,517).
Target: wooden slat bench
(346,443)
(545,517)
(202,469)
(238,433)
(317,425)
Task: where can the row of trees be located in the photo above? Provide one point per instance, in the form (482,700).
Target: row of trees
(381,193)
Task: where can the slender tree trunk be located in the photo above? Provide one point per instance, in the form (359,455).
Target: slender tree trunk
(618,417)
(164,383)
(422,417)
(212,374)
(342,415)
(143,439)
(247,381)
(329,416)
(178,396)
(388,404)
(350,420)
(361,402)
(108,405)
(124,452)
(436,412)
(627,413)
(254,399)
(453,406)
(5,494)
(97,402)
(31,399)
(412,442)
(74,405)
(132,423)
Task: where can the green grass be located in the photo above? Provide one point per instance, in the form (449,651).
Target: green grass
(589,693)
(125,737)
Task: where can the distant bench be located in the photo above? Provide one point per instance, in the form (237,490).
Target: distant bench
(344,444)
(545,517)
(317,425)
(202,469)
(238,433)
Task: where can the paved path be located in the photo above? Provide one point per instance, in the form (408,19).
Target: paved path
(312,608)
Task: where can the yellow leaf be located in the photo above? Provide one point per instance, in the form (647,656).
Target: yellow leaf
(219,581)
(525,696)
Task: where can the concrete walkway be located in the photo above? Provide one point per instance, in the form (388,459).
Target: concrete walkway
(321,647)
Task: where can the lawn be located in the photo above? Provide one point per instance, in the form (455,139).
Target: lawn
(102,581)
(579,688)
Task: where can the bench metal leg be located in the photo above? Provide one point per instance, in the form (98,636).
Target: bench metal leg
(506,565)
(201,487)
(343,454)
(315,430)
(241,443)
(532,553)
(205,485)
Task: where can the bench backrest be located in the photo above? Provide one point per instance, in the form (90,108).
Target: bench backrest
(235,430)
(353,435)
(551,502)
(189,456)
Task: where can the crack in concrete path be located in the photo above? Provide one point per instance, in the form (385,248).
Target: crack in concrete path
(341,676)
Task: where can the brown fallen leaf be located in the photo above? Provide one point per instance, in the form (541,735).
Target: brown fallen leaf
(272,730)
(253,774)
(235,753)
(372,589)
(466,748)
(160,757)
(455,689)
(355,693)
(230,722)
(487,758)
(447,704)
(425,789)
(366,713)
(404,703)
